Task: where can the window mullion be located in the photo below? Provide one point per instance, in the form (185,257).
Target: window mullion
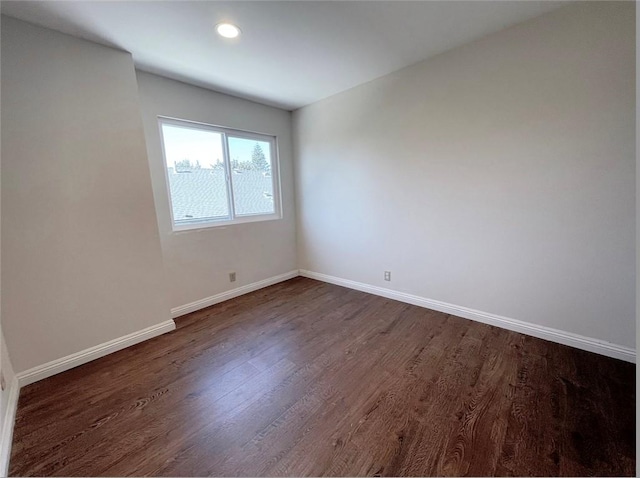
(229,172)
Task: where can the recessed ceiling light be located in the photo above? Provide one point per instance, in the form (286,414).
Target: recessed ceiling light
(227,30)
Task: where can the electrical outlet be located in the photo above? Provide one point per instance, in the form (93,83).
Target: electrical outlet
(232,276)
(387,275)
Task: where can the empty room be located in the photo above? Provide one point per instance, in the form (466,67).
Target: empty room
(318,238)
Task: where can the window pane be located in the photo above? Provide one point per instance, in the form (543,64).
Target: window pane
(251,176)
(196,173)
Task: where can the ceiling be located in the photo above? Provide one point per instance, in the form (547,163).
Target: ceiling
(290,54)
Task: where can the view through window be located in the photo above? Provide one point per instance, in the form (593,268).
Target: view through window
(217,175)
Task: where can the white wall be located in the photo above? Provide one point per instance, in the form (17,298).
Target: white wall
(498,176)
(8,375)
(7,371)
(197,263)
(81,257)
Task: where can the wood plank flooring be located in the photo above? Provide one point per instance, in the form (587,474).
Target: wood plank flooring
(307,379)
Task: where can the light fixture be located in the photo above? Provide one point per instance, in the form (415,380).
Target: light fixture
(227,30)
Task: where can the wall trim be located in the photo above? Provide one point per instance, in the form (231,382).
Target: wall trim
(7,426)
(547,333)
(70,361)
(230,294)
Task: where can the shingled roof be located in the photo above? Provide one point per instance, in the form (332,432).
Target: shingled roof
(202,193)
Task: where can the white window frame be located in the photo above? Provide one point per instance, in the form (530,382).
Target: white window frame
(225,132)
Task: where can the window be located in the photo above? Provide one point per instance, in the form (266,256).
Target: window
(218,176)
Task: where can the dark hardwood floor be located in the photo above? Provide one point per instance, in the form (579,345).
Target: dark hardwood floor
(306,378)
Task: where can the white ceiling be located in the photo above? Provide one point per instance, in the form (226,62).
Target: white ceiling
(290,53)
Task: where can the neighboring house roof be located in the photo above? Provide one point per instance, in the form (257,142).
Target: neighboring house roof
(202,193)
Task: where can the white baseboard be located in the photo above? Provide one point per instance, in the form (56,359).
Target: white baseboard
(230,294)
(7,426)
(70,361)
(546,333)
